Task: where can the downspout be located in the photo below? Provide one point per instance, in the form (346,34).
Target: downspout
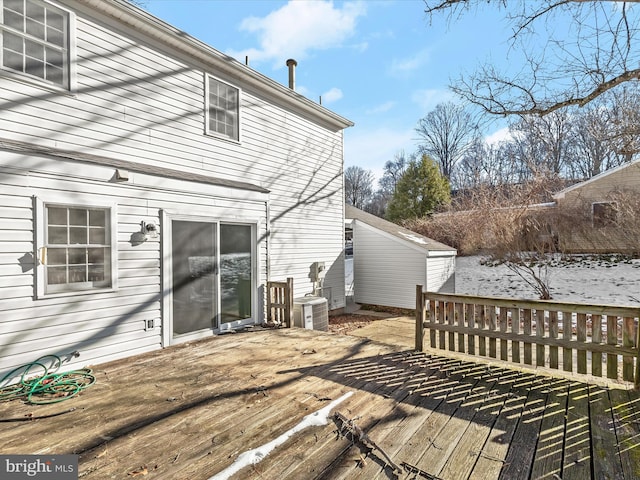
(267,234)
(267,264)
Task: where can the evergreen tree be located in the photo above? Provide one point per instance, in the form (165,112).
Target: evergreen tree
(420,190)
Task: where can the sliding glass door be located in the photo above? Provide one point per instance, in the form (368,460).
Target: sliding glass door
(236,267)
(212,276)
(195,274)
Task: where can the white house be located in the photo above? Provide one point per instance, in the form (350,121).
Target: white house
(389,261)
(150,185)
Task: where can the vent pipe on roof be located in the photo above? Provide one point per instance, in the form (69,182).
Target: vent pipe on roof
(291,63)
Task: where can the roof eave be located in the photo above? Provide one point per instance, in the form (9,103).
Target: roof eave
(142,21)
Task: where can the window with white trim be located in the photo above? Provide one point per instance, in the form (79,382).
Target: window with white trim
(34,40)
(223,105)
(77,248)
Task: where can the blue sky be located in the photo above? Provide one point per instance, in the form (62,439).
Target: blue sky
(383,64)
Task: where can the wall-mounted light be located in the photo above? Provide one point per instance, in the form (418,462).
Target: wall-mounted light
(149,229)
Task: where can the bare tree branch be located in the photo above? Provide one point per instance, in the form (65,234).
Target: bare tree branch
(597,52)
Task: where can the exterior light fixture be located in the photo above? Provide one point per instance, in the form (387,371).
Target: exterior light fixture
(149,229)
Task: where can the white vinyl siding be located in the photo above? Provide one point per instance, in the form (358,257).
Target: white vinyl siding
(35,38)
(386,269)
(139,103)
(108,324)
(153,113)
(441,274)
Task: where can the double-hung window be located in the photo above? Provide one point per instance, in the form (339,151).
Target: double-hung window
(34,40)
(222,112)
(77,248)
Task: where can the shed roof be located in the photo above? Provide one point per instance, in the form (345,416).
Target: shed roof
(425,243)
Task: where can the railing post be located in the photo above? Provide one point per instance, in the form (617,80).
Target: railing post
(288,309)
(636,380)
(420,314)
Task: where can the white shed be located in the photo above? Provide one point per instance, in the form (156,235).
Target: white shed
(389,261)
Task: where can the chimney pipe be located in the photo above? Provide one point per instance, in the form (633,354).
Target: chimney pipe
(291,63)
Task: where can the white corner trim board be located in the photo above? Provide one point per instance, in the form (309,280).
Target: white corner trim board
(251,457)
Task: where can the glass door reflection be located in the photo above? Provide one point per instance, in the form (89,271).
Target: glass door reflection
(195,274)
(236,267)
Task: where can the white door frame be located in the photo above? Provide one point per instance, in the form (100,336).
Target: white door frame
(167,276)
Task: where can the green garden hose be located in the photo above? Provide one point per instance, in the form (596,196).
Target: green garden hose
(49,387)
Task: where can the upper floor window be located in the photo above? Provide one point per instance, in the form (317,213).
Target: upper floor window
(223,103)
(34,40)
(77,248)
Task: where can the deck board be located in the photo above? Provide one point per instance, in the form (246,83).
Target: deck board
(189,411)
(607,463)
(549,451)
(496,447)
(626,417)
(576,463)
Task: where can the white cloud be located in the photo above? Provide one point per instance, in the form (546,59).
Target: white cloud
(360,47)
(331,95)
(382,108)
(428,99)
(300,27)
(498,136)
(404,66)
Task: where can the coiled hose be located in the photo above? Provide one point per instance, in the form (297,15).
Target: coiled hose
(49,387)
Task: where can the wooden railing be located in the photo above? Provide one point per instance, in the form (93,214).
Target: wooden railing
(593,339)
(280,303)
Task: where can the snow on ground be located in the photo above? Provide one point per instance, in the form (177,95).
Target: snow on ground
(348,275)
(585,282)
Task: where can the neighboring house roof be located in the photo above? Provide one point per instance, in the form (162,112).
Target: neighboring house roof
(596,178)
(425,243)
(125,12)
(129,166)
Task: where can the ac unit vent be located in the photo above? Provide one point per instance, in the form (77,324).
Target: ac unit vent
(311,313)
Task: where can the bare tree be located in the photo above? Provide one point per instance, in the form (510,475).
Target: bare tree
(545,143)
(502,165)
(471,171)
(393,170)
(445,134)
(621,121)
(502,223)
(358,186)
(596,51)
(594,151)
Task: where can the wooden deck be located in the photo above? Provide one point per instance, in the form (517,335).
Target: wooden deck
(187,412)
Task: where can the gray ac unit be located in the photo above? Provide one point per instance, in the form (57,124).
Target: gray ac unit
(311,313)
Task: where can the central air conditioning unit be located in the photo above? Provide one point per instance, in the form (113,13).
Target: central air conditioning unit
(311,313)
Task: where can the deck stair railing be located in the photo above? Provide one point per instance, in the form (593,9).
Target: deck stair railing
(586,339)
(280,302)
